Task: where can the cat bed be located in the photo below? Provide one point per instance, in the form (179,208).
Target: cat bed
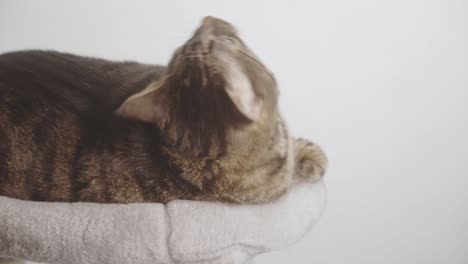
(179,232)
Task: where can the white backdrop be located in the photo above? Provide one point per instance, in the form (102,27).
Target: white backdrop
(381,85)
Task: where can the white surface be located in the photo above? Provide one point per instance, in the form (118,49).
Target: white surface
(182,232)
(381,85)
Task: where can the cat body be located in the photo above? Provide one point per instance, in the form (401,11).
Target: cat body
(59,138)
(204,127)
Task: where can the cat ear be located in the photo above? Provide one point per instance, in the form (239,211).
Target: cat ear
(144,106)
(240,90)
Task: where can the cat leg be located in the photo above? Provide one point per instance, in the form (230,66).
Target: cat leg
(310,160)
(11,261)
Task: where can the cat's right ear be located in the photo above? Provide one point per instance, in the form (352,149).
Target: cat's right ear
(145,106)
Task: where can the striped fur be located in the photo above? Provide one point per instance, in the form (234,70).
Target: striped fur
(70,129)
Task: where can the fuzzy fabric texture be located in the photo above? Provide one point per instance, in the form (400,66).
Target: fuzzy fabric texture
(179,232)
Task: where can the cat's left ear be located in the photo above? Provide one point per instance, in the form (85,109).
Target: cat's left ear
(240,90)
(146,106)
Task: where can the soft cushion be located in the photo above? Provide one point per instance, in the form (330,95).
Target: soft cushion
(179,232)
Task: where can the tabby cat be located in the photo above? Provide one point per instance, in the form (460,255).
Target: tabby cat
(206,127)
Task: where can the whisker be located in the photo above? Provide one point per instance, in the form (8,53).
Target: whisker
(258,62)
(192,56)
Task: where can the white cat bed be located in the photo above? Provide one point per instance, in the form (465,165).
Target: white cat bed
(180,232)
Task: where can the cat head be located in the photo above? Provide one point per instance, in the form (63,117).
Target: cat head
(212,84)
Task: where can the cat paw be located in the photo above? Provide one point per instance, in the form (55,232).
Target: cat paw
(310,160)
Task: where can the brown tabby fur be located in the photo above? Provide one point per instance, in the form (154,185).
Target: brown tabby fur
(206,127)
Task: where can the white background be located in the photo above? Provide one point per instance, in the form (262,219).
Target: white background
(381,85)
